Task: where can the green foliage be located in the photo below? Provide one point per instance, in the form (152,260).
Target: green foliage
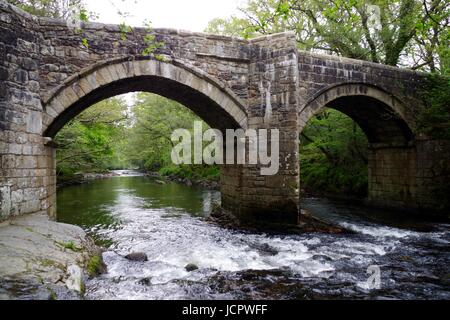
(53,8)
(52,294)
(155,118)
(152,45)
(92,141)
(149,143)
(435,119)
(395,32)
(233,26)
(95,266)
(124,29)
(333,155)
(69,246)
(192,172)
(85,43)
(109,135)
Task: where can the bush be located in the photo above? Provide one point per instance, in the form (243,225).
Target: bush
(192,172)
(435,119)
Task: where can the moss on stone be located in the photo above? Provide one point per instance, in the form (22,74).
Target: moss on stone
(69,246)
(95,266)
(51,263)
(53,296)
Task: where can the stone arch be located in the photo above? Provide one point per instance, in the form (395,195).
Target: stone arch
(381,115)
(207,97)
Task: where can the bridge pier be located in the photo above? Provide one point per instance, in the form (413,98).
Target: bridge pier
(273,105)
(392,175)
(414,176)
(255,198)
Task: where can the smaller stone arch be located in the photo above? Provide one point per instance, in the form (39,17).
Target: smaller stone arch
(381,115)
(206,96)
(391,151)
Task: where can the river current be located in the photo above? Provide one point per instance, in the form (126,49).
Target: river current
(168,222)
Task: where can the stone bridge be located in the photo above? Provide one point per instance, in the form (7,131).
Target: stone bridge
(47,77)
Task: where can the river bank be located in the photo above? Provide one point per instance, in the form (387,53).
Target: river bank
(45,260)
(83,178)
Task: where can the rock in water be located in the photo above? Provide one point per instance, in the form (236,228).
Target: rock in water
(191,267)
(75,280)
(145,281)
(137,256)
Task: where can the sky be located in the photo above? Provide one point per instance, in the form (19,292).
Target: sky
(191,15)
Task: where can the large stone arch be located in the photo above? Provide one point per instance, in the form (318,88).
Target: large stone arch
(381,115)
(207,97)
(392,157)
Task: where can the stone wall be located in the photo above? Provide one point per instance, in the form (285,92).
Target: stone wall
(63,55)
(272,104)
(392,180)
(433,175)
(415,177)
(321,72)
(26,167)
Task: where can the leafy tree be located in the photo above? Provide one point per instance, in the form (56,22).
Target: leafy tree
(91,141)
(435,119)
(149,143)
(62,9)
(333,155)
(431,45)
(395,32)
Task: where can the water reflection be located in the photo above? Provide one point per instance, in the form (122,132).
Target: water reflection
(91,205)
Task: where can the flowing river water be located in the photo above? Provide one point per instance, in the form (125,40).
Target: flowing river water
(132,213)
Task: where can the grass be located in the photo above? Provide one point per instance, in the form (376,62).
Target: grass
(94,266)
(69,246)
(50,263)
(53,295)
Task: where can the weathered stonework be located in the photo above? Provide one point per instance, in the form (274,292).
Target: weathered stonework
(47,77)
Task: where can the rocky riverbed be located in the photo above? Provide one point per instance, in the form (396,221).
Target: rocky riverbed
(42,259)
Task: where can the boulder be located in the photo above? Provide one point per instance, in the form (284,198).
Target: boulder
(191,267)
(137,256)
(75,281)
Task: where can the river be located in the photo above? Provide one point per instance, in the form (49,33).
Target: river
(132,213)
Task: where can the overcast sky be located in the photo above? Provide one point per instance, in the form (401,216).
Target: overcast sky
(192,15)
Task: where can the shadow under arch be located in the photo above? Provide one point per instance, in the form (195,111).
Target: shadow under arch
(392,156)
(379,114)
(205,96)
